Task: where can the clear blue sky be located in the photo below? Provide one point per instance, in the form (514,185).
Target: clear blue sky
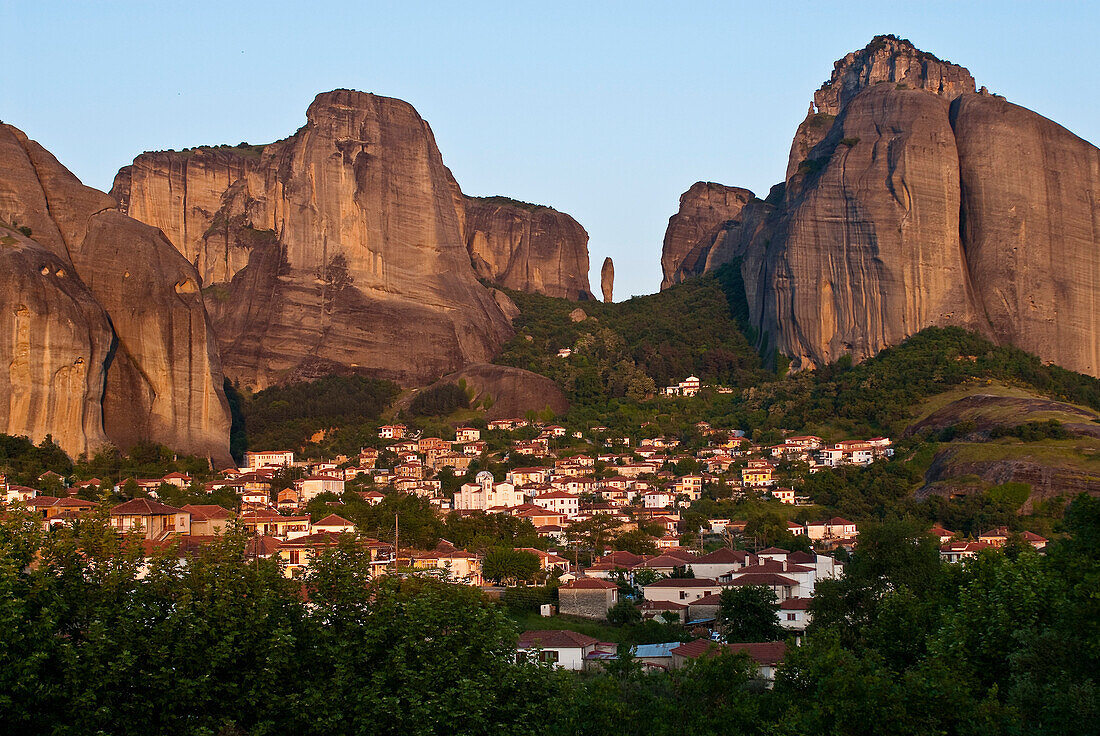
(605,110)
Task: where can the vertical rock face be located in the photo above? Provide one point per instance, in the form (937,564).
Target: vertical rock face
(708,211)
(341,247)
(607,280)
(887,60)
(924,203)
(99,322)
(54,346)
(172,387)
(868,249)
(179,193)
(1031,229)
(527,247)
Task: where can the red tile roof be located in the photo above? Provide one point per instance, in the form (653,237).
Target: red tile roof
(144,507)
(589,584)
(683,583)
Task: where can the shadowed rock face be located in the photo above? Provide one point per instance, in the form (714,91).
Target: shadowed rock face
(527,247)
(340,246)
(513,391)
(708,212)
(114,319)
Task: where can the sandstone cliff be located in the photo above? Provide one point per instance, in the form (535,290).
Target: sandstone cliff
(886,59)
(527,247)
(341,246)
(607,280)
(108,303)
(915,201)
(707,214)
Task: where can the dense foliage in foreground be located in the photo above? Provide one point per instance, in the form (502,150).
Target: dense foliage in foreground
(94,641)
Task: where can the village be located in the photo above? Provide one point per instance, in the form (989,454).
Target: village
(560,482)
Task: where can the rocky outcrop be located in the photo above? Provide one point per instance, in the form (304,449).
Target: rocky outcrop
(867,251)
(54,351)
(179,193)
(923,203)
(607,280)
(111,340)
(709,214)
(1031,229)
(885,60)
(527,247)
(341,246)
(510,392)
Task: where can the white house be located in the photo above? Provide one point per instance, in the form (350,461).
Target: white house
(484,494)
(253,460)
(562,502)
(565,649)
(680,590)
(314,485)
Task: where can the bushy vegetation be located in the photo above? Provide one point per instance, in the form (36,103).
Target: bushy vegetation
(92,641)
(288,416)
(439,400)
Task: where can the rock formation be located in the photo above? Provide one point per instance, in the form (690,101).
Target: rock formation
(510,392)
(108,336)
(911,201)
(708,212)
(607,280)
(527,247)
(887,59)
(341,246)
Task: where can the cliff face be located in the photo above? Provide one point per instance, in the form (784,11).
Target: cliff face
(1031,229)
(97,345)
(887,60)
(527,247)
(708,213)
(607,280)
(925,203)
(341,246)
(868,250)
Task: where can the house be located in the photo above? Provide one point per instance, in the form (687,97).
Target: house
(783,495)
(156,520)
(296,554)
(527,476)
(208,519)
(457,565)
(794,614)
(704,611)
(282,458)
(587,597)
(314,485)
(721,561)
(766,655)
(961,551)
(561,502)
(372,497)
(179,480)
(392,431)
(784,587)
(333,524)
(666,610)
(680,590)
(467,434)
(565,649)
(272,524)
(758,474)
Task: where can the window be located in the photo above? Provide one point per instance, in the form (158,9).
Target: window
(295,557)
(548,655)
(792,616)
(683,595)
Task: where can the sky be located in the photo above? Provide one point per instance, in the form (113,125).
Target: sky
(605,110)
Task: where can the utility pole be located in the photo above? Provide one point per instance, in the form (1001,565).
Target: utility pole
(396,538)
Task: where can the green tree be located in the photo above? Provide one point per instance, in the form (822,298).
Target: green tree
(750,613)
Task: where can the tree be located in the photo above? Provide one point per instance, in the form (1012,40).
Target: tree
(624,613)
(750,613)
(593,533)
(506,566)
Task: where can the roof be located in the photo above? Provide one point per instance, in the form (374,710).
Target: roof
(554,639)
(663,605)
(589,584)
(807,558)
(724,555)
(713,599)
(653,651)
(206,511)
(684,583)
(333,520)
(762,578)
(145,507)
(795,604)
(774,551)
(836,520)
(663,561)
(768,652)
